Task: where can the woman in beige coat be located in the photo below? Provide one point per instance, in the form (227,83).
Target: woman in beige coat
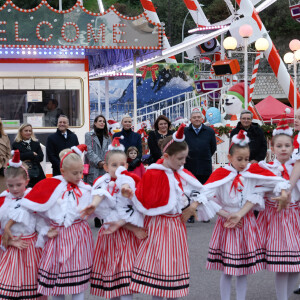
(4,155)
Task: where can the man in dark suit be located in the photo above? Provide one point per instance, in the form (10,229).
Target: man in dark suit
(63,138)
(202,145)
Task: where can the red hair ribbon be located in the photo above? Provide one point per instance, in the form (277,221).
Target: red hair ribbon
(61,162)
(77,192)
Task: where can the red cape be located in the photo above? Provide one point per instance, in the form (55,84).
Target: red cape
(153,190)
(43,190)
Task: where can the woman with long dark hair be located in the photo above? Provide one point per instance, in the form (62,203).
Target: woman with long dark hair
(97,142)
(161,130)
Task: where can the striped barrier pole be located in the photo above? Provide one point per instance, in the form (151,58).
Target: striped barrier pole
(152,16)
(275,61)
(254,73)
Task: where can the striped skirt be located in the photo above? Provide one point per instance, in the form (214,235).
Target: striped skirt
(236,251)
(114,257)
(162,265)
(66,261)
(19,271)
(280,232)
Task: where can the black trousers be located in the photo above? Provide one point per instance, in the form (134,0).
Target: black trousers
(202,178)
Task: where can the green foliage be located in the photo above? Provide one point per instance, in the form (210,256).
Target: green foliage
(222,130)
(268,130)
(91,5)
(66,4)
(26,4)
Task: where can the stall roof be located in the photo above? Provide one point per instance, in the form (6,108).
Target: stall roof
(278,108)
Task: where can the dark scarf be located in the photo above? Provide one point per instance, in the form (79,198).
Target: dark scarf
(100,133)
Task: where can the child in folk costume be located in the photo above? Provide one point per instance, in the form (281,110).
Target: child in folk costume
(161,268)
(281,230)
(66,262)
(235,247)
(19,263)
(115,253)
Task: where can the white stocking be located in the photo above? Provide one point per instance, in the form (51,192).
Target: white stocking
(281,285)
(61,297)
(79,296)
(225,286)
(292,281)
(241,287)
(126,297)
(161,298)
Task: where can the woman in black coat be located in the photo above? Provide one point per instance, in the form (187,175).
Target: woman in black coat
(30,153)
(161,130)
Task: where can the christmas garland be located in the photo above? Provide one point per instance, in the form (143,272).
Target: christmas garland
(266,128)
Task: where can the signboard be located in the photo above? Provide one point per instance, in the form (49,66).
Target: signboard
(45,26)
(34,96)
(11,123)
(36,120)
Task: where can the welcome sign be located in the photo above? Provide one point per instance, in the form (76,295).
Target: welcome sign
(44,26)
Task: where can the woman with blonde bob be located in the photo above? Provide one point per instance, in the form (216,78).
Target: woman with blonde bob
(31,152)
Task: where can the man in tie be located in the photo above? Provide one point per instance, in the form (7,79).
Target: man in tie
(202,145)
(63,138)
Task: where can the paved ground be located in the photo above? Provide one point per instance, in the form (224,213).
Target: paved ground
(204,285)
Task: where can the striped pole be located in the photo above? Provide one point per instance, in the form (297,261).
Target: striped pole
(275,61)
(152,16)
(196,12)
(254,73)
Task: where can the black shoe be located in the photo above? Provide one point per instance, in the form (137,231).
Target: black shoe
(297,291)
(191,219)
(98,223)
(206,221)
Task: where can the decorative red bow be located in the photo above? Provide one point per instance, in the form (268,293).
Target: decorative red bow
(152,69)
(77,192)
(114,189)
(285,173)
(143,134)
(236,182)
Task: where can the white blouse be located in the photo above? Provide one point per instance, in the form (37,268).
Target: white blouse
(277,169)
(67,205)
(248,189)
(26,223)
(114,206)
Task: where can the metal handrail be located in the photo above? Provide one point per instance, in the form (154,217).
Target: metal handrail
(175,109)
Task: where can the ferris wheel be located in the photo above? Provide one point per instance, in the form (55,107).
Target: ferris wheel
(295,9)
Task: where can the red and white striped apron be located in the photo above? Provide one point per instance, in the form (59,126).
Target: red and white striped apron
(236,251)
(19,271)
(280,233)
(66,262)
(162,265)
(114,258)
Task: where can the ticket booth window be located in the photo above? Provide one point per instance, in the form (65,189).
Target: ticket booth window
(40,103)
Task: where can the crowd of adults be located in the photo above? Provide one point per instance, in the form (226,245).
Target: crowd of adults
(199,137)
